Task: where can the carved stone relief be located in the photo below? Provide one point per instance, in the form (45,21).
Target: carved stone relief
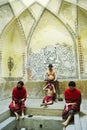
(61,56)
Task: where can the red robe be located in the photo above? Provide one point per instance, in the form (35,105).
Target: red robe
(47,99)
(17,95)
(72,97)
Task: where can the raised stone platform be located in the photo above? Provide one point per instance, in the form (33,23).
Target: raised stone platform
(41,117)
(51,113)
(33,107)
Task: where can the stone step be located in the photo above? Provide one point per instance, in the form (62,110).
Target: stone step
(4,115)
(80,121)
(33,111)
(71,127)
(33,107)
(32,123)
(44,111)
(83,121)
(6,123)
(77,122)
(40,121)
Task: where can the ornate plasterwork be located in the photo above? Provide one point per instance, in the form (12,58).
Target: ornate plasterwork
(61,56)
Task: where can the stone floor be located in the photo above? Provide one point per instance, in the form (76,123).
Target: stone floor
(35,103)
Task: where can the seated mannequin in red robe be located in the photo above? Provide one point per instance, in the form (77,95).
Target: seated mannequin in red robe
(19,95)
(72,102)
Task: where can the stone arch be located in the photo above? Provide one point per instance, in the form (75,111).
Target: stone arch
(39,43)
(13,46)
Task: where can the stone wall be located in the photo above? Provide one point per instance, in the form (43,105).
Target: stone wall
(35,89)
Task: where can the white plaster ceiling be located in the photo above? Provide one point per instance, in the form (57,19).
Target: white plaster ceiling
(82,3)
